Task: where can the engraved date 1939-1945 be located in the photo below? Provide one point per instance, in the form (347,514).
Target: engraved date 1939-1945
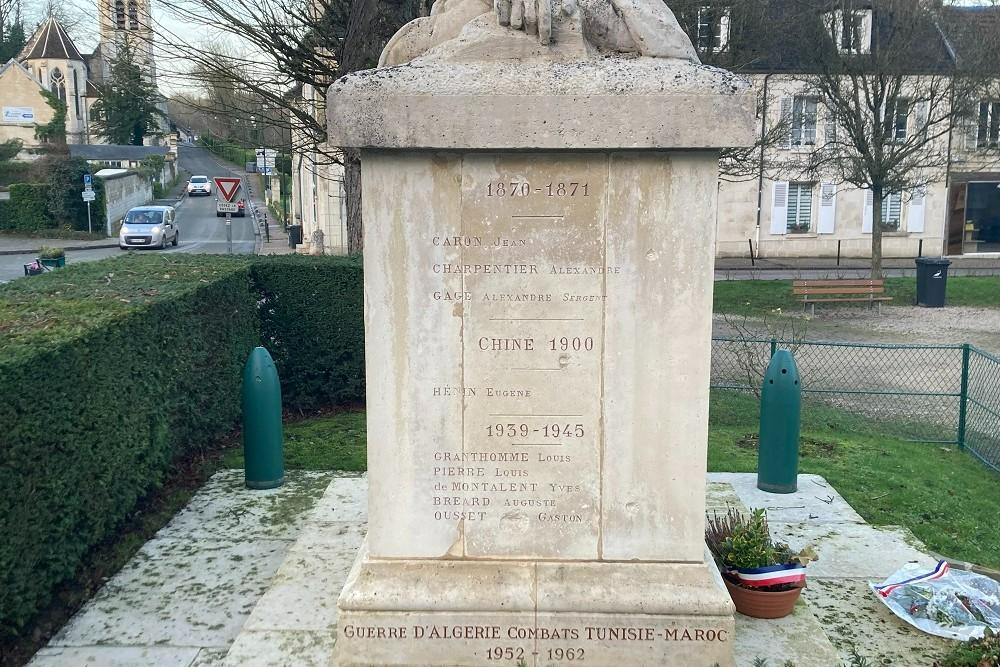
(524,189)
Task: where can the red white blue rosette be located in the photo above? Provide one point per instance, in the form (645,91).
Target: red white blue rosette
(772,575)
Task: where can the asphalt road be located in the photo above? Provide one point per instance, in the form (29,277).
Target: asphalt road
(200,230)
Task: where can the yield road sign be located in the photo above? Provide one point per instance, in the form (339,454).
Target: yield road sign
(228,186)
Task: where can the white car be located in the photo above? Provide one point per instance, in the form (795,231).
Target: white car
(199,185)
(148,227)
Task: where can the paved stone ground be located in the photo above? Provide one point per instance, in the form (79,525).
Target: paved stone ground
(251,579)
(184,597)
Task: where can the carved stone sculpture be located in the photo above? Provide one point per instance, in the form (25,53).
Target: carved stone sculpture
(577,28)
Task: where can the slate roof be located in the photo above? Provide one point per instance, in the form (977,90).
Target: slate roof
(51,41)
(972,34)
(792,36)
(114,152)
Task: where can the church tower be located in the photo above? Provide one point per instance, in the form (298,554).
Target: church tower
(121,20)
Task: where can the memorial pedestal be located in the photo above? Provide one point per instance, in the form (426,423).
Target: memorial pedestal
(539,242)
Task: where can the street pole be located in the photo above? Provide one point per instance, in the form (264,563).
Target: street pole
(229,233)
(90,229)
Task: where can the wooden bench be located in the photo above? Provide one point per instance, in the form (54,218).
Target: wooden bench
(829,291)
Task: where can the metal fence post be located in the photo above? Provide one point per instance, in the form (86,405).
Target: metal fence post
(963,399)
(774,346)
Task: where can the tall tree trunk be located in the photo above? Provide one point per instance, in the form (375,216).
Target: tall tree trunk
(370,25)
(877,196)
(352,191)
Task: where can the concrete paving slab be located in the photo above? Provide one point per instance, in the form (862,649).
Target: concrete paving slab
(274,648)
(303,595)
(344,500)
(210,657)
(343,537)
(226,509)
(816,501)
(853,550)
(720,496)
(798,637)
(853,618)
(178,593)
(116,656)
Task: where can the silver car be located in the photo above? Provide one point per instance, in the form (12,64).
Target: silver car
(149,227)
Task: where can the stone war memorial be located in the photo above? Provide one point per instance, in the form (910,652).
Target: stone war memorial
(539,197)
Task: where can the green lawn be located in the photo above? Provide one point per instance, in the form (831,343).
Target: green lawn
(334,442)
(944,496)
(760,297)
(947,498)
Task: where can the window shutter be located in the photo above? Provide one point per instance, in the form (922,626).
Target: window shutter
(972,132)
(779,208)
(827,208)
(830,127)
(786,118)
(723,29)
(922,115)
(868,212)
(915,214)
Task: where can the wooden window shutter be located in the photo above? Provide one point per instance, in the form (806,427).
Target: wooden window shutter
(915,211)
(827,208)
(868,212)
(786,118)
(779,208)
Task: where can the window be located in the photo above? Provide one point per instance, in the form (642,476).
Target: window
(57,84)
(120,14)
(76,94)
(894,120)
(133,15)
(851,30)
(712,28)
(988,135)
(804,121)
(799,216)
(892,207)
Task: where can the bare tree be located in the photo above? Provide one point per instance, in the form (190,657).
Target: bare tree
(293,45)
(893,103)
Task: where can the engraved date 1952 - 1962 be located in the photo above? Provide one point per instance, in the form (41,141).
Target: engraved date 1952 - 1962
(517,653)
(523,189)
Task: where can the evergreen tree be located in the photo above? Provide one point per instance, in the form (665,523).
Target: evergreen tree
(126,110)
(12,40)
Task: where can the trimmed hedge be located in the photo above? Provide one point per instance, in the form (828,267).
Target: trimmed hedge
(312,322)
(110,370)
(29,207)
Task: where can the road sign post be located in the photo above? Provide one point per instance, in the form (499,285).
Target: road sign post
(229,233)
(88,196)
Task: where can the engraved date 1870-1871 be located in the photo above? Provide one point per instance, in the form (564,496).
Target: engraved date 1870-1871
(524,189)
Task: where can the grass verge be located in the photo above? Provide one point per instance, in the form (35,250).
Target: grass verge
(764,297)
(943,495)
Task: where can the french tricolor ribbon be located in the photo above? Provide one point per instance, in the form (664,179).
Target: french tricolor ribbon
(772,575)
(939,571)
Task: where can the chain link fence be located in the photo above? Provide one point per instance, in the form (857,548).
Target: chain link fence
(947,394)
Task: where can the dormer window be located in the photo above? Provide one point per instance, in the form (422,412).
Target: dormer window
(851,30)
(712,28)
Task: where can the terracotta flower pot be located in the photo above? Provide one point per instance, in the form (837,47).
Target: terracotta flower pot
(763,604)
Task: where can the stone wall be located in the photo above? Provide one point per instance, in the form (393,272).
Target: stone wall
(17,89)
(122,192)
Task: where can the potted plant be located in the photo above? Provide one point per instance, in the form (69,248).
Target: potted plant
(52,257)
(764,577)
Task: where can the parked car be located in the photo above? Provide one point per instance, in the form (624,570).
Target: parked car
(199,185)
(149,227)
